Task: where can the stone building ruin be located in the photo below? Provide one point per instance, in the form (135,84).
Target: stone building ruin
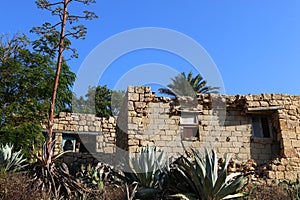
(264,128)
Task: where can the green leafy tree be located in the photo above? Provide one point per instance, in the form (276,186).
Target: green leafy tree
(25,91)
(183,85)
(117,100)
(54,40)
(103,101)
(86,103)
(99,100)
(108,102)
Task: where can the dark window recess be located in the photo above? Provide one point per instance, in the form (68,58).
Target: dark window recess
(68,142)
(261,127)
(265,127)
(68,146)
(190,132)
(76,143)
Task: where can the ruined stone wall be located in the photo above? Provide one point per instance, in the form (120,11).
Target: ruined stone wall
(97,134)
(153,122)
(287,165)
(225,123)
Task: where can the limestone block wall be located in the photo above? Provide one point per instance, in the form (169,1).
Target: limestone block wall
(224,123)
(288,119)
(156,124)
(97,134)
(287,165)
(227,128)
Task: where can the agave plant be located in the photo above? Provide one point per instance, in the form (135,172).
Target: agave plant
(55,178)
(99,175)
(92,175)
(9,160)
(146,169)
(201,178)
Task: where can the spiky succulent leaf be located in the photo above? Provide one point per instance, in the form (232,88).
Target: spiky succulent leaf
(145,166)
(203,178)
(9,160)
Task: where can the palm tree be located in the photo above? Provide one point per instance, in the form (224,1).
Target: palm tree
(183,85)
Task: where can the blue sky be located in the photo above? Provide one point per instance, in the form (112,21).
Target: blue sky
(255,45)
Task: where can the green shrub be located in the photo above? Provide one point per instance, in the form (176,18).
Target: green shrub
(22,136)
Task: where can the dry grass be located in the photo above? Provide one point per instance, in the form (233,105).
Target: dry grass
(18,186)
(265,192)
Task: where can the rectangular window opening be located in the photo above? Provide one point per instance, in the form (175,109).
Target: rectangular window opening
(261,127)
(189,125)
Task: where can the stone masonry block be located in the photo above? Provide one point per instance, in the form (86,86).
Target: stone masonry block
(290,175)
(296,143)
(133,97)
(130,89)
(139,89)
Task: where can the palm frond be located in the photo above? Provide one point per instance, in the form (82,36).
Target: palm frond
(187,85)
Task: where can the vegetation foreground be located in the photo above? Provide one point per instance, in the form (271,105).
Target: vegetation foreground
(147,175)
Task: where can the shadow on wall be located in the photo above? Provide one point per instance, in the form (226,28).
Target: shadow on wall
(265,145)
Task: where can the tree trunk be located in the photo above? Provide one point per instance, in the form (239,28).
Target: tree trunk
(49,138)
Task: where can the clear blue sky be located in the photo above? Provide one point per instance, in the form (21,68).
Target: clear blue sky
(254,44)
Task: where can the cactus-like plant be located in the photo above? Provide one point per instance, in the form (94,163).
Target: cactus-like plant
(99,176)
(146,170)
(9,160)
(201,178)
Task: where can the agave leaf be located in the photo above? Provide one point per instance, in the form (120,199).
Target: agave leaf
(214,165)
(203,179)
(135,166)
(200,169)
(221,180)
(233,196)
(209,168)
(141,162)
(190,174)
(200,165)
(160,158)
(231,176)
(147,193)
(232,187)
(185,196)
(9,160)
(187,178)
